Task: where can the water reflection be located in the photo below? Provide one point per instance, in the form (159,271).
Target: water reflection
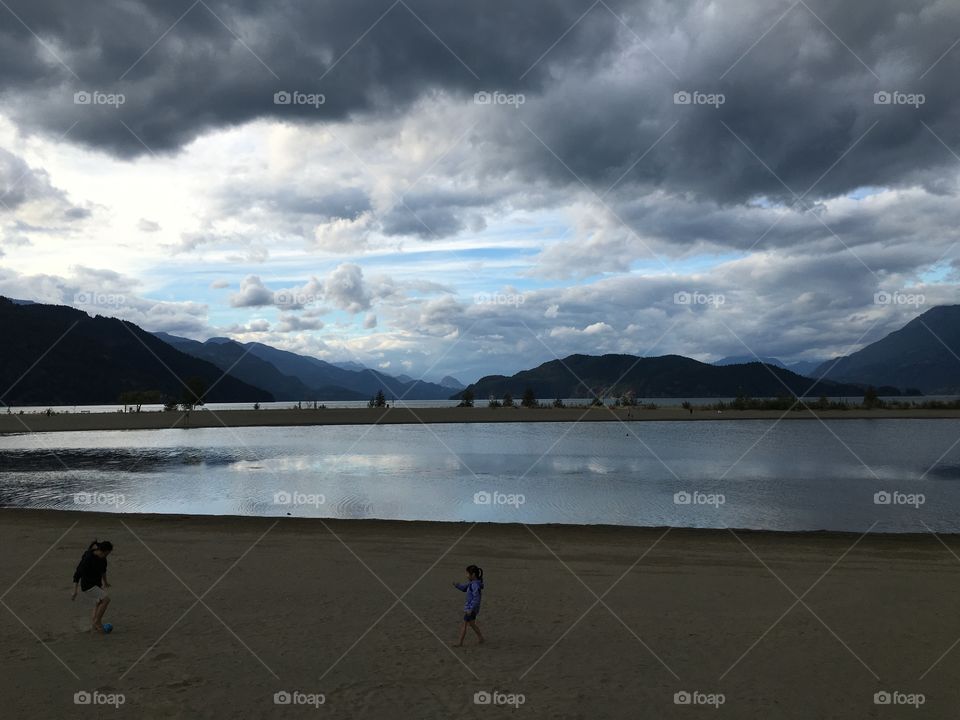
(797,476)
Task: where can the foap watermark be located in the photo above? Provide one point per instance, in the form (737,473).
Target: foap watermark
(296,697)
(98,298)
(498,697)
(897,97)
(699,498)
(99,498)
(698,697)
(496,497)
(696,97)
(95,97)
(514,299)
(293,299)
(496,97)
(898,297)
(295,97)
(95,697)
(897,697)
(895,497)
(698,298)
(298,498)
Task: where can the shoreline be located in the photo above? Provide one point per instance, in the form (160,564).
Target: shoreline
(464,524)
(461,525)
(14,423)
(362,612)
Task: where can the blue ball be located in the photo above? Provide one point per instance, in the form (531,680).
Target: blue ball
(107,628)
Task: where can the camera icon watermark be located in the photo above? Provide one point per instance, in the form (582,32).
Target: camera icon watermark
(684,297)
(496,97)
(897,97)
(95,97)
(283,497)
(895,497)
(508,299)
(296,697)
(897,297)
(95,697)
(295,97)
(99,498)
(496,697)
(100,299)
(697,697)
(514,500)
(897,697)
(697,497)
(695,97)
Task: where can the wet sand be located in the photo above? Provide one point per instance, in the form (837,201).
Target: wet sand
(312,606)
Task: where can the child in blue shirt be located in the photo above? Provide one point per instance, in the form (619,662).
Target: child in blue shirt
(474,590)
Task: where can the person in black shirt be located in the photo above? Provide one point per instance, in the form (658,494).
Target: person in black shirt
(90,578)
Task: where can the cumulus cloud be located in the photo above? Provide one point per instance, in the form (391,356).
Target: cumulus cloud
(346,289)
(253,293)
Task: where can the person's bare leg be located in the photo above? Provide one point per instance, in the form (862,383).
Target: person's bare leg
(476,629)
(101,609)
(463,633)
(93,617)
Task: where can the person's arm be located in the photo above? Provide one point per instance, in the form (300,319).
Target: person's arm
(462,587)
(84,561)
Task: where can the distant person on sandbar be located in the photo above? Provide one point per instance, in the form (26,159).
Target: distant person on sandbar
(473,587)
(90,578)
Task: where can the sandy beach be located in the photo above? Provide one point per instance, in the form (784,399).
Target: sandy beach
(39,422)
(214,615)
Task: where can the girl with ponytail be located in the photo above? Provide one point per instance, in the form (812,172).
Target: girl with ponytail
(473,587)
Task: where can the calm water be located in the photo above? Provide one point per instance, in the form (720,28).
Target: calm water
(801,475)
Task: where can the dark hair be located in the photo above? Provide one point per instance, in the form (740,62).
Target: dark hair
(106,546)
(474,570)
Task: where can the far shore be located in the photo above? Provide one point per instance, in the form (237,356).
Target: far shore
(201,418)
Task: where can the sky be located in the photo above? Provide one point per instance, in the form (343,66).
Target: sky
(468,188)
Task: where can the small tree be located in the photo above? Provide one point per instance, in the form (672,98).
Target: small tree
(870,398)
(529,398)
(687,406)
(558,403)
(466,398)
(493,402)
(378,401)
(193,393)
(507,400)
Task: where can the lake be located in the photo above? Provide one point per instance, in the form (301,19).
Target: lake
(800,475)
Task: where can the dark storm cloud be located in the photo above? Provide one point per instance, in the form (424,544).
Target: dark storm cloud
(200,76)
(796,98)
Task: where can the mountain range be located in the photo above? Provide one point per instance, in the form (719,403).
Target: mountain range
(583,376)
(56,355)
(923,354)
(801,367)
(289,376)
